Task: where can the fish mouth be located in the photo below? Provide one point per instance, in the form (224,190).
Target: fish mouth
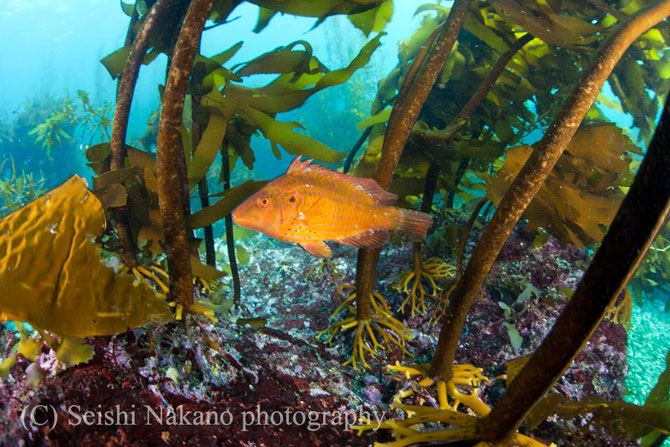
(242,221)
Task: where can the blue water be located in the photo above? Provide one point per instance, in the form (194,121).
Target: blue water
(52,46)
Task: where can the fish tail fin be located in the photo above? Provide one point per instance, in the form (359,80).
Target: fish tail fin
(414,224)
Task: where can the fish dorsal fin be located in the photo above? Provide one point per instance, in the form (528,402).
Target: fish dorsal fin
(367,239)
(298,166)
(318,248)
(367,185)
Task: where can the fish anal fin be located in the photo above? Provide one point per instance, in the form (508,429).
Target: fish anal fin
(366,239)
(318,249)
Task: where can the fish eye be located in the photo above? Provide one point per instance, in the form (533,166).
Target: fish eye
(263,202)
(292,199)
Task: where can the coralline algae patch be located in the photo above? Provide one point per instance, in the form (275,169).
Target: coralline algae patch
(648,344)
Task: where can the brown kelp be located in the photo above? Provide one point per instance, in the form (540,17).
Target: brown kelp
(509,416)
(581,194)
(48,262)
(135,49)
(545,155)
(371,309)
(224,115)
(637,222)
(170,165)
(449,131)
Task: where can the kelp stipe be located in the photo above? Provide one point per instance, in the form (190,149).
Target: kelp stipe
(411,97)
(641,216)
(512,410)
(545,155)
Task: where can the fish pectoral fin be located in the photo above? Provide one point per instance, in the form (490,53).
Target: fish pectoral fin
(319,249)
(367,239)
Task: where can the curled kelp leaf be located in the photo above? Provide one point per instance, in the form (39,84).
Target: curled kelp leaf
(546,24)
(579,198)
(208,74)
(319,9)
(282,60)
(238,138)
(52,274)
(280,133)
(252,109)
(373,20)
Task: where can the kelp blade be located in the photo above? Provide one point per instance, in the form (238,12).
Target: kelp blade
(53,275)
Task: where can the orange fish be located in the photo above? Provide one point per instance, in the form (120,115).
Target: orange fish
(311,204)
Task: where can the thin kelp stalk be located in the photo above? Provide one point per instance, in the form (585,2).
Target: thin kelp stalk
(126,87)
(169,153)
(459,121)
(203,187)
(210,252)
(130,33)
(485,87)
(639,219)
(230,238)
(487,209)
(432,176)
(466,234)
(354,149)
(364,136)
(463,241)
(545,155)
(124,97)
(460,172)
(403,116)
(417,63)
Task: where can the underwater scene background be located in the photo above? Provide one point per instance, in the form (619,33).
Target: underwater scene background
(470,164)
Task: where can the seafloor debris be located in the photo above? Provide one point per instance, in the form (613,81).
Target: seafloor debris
(283,368)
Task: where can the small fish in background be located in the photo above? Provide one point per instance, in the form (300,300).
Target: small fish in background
(311,204)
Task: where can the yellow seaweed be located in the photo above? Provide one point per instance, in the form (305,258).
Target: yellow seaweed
(280,133)
(578,200)
(207,149)
(373,20)
(52,274)
(320,9)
